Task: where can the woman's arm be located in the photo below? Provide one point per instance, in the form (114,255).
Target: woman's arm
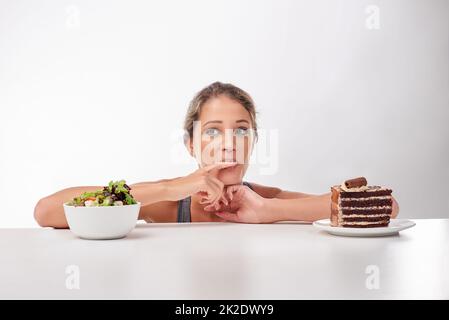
(310,208)
(49,211)
(274,192)
(248,206)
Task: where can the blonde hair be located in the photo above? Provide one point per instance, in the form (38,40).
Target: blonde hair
(214,90)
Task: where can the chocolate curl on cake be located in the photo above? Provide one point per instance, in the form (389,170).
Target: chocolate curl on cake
(356,182)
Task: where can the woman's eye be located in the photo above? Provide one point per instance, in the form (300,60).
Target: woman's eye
(212,132)
(241,131)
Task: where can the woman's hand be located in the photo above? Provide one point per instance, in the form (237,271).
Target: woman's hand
(244,206)
(203,181)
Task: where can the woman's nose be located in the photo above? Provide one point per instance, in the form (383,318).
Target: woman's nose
(229,140)
(228,154)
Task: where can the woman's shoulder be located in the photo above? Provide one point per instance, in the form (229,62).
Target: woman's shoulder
(264,191)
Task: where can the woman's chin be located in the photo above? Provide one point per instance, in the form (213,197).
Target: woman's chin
(232,175)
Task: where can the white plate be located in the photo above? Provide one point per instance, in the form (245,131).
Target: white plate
(394,227)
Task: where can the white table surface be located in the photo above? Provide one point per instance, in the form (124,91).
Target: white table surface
(226,261)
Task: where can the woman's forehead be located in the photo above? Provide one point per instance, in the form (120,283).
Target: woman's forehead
(223,108)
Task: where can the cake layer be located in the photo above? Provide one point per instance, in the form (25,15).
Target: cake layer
(371,191)
(368,197)
(370,219)
(366,202)
(365,215)
(361,223)
(374,225)
(365,211)
(364,194)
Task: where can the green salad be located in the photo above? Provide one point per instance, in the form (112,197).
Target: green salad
(115,194)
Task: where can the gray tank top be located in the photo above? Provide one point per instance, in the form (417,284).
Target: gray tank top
(184,206)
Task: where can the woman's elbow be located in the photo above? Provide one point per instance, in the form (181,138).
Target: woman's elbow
(41,211)
(46,215)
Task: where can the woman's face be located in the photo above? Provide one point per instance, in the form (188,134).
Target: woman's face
(223,132)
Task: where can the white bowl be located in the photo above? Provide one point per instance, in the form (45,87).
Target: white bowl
(101,223)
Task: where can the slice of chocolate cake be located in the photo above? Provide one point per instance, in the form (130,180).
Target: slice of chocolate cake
(357,205)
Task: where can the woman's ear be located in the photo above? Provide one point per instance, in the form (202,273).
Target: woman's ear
(189,145)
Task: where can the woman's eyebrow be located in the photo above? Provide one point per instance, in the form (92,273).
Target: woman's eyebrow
(219,121)
(212,121)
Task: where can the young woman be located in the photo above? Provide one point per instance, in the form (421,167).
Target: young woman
(221,130)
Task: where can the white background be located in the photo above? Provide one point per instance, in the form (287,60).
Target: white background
(97,90)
